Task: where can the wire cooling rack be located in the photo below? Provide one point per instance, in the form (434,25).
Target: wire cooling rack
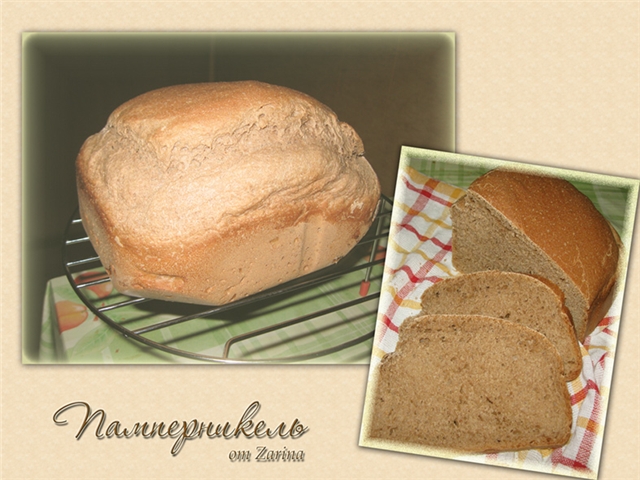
(314,316)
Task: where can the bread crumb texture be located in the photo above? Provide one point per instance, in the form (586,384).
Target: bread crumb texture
(471,383)
(210,192)
(516,297)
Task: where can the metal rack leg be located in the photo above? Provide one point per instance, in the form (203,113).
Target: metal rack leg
(366,283)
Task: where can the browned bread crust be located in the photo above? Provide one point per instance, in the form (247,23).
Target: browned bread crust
(512,296)
(544,226)
(471,383)
(209,192)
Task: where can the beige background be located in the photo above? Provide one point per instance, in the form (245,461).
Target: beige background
(554,83)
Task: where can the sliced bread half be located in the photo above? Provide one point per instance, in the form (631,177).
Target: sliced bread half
(516,297)
(515,221)
(471,383)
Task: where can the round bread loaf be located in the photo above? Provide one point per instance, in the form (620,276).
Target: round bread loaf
(206,193)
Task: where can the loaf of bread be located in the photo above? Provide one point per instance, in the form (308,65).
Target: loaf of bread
(472,384)
(544,226)
(516,297)
(206,193)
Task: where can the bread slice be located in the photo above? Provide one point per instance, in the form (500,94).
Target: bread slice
(544,226)
(515,297)
(210,192)
(471,383)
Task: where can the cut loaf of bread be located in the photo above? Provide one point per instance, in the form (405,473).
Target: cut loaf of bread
(210,192)
(544,226)
(515,297)
(471,383)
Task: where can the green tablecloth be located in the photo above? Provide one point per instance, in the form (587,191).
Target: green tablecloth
(72,333)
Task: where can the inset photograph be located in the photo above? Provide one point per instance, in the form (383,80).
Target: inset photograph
(499,314)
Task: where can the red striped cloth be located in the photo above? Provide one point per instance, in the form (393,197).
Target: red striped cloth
(418,255)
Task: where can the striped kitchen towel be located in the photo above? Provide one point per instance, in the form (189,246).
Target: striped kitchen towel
(418,255)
